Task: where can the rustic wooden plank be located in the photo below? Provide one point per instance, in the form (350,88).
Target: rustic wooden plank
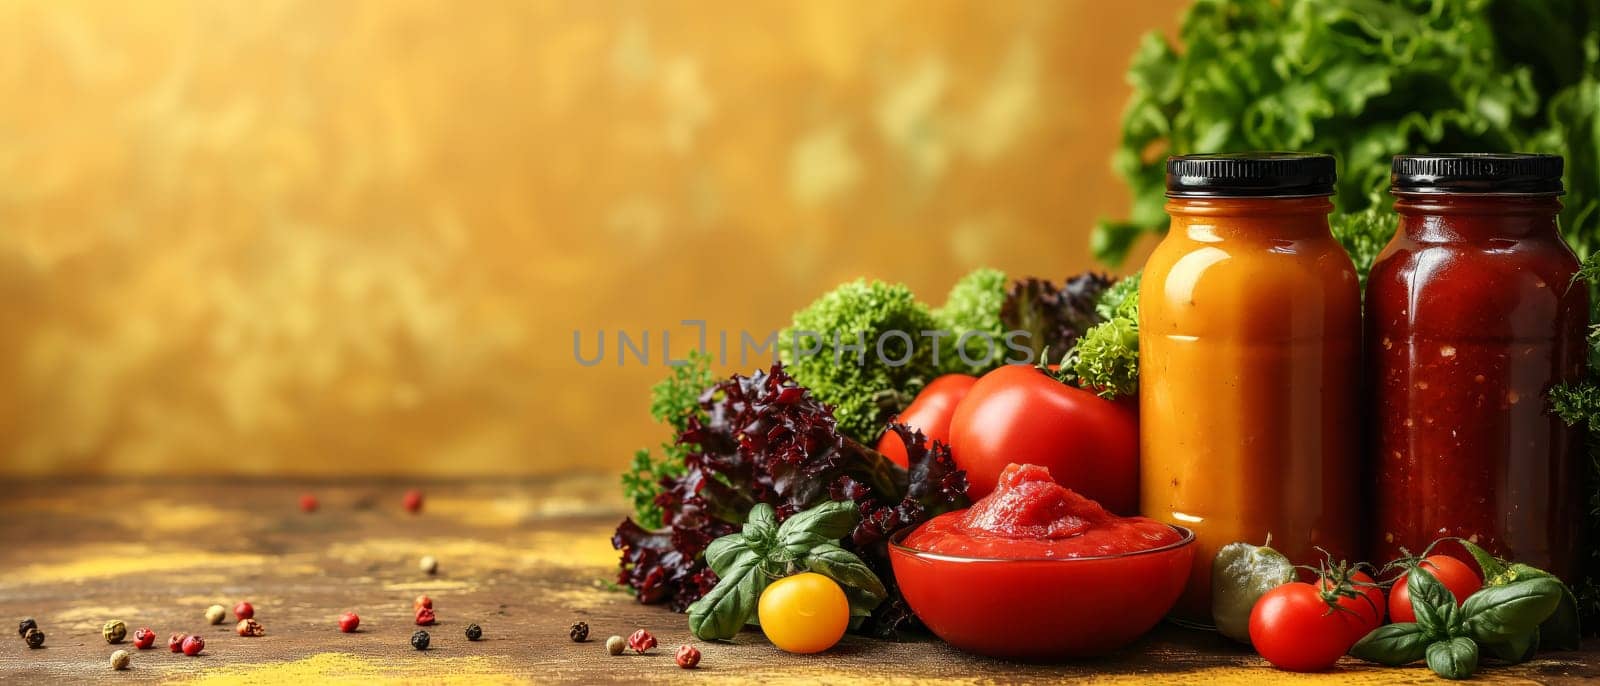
(522,559)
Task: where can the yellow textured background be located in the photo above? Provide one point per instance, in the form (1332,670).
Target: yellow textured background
(314,237)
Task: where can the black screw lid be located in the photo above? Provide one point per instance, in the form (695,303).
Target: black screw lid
(1250,175)
(1509,173)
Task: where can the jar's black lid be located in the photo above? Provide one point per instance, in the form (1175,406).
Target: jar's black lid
(1250,175)
(1510,173)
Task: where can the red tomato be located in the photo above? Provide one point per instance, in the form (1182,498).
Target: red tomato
(1018,414)
(1295,629)
(1454,574)
(930,413)
(1367,605)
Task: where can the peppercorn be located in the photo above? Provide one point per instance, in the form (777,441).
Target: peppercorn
(641,641)
(428,565)
(244,610)
(34,638)
(425,616)
(114,631)
(348,622)
(175,644)
(121,659)
(413,501)
(250,627)
(216,613)
(688,657)
(579,632)
(422,601)
(144,638)
(193,645)
(26,624)
(419,640)
(474,632)
(615,645)
(308,503)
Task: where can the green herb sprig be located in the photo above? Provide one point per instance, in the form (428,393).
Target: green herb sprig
(747,561)
(1503,620)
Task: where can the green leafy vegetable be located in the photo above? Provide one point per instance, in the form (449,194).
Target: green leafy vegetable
(973,305)
(746,562)
(1106,358)
(1578,404)
(1455,658)
(1561,630)
(864,389)
(673,401)
(1364,80)
(1393,645)
(1502,619)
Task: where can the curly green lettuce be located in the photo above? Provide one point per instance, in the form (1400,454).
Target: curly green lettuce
(1106,359)
(973,305)
(1364,80)
(863,387)
(673,401)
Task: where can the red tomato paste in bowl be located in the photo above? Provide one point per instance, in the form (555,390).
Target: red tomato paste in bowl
(1030,517)
(1066,577)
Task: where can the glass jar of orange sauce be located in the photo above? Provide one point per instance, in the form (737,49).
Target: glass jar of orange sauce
(1249,372)
(1472,317)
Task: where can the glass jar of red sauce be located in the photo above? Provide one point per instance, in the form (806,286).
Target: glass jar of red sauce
(1471,318)
(1250,339)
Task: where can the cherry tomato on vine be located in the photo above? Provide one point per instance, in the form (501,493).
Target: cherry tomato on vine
(1361,597)
(1453,573)
(1295,628)
(804,613)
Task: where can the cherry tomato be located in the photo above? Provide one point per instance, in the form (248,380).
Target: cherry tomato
(804,613)
(1294,628)
(1453,573)
(930,413)
(1018,414)
(1367,605)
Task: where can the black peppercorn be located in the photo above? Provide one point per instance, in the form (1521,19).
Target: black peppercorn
(26,624)
(419,640)
(34,638)
(474,632)
(579,632)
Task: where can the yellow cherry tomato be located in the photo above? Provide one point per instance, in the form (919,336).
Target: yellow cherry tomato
(804,613)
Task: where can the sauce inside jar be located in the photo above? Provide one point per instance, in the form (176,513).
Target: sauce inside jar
(1471,318)
(1250,337)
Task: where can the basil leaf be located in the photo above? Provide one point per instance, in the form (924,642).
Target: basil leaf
(718,615)
(1393,645)
(722,553)
(844,567)
(794,546)
(1489,565)
(762,522)
(1560,631)
(830,520)
(1519,649)
(1498,614)
(1429,598)
(1456,658)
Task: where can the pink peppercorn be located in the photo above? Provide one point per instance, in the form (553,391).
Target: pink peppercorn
(175,644)
(424,616)
(413,501)
(348,622)
(422,601)
(244,610)
(641,641)
(144,638)
(250,627)
(308,503)
(688,657)
(193,645)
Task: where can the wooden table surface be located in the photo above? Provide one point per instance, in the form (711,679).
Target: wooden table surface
(522,559)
